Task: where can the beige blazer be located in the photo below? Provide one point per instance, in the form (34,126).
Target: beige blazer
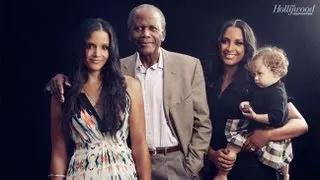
(185,103)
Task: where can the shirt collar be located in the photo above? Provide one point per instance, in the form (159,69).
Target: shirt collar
(139,65)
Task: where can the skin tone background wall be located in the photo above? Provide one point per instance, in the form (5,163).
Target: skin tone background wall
(38,38)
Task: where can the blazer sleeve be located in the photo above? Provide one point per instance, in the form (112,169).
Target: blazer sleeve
(202,125)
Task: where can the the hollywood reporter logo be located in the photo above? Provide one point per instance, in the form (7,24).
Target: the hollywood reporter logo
(293,10)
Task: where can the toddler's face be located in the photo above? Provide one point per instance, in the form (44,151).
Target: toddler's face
(263,76)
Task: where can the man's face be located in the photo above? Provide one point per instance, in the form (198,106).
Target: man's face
(146,31)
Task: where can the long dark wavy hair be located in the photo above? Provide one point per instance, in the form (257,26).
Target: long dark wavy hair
(215,69)
(113,88)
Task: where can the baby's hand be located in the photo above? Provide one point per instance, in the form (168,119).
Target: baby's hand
(244,106)
(246,109)
(248,112)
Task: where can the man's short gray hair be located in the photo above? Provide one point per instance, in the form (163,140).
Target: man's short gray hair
(146,6)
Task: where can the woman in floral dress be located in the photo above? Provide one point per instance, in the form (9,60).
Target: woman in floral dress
(102,107)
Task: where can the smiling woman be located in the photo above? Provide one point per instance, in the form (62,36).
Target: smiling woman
(229,84)
(232,46)
(99,111)
(97,50)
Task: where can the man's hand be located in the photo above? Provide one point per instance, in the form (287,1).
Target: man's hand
(56,86)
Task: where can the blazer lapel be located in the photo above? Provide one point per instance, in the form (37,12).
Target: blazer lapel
(169,76)
(128,65)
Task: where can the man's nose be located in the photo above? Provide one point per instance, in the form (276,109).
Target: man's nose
(146,32)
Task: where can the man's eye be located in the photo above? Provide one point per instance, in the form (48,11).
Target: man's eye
(153,28)
(138,28)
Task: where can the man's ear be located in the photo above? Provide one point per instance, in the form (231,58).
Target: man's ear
(163,35)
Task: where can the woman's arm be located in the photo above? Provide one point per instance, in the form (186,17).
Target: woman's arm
(59,157)
(139,146)
(295,126)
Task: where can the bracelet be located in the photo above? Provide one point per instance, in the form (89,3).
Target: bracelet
(56,175)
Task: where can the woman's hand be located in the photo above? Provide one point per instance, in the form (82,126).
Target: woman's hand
(295,126)
(221,159)
(256,140)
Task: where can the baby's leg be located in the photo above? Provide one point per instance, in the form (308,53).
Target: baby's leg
(233,151)
(285,172)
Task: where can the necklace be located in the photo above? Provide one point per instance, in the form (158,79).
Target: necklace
(93,101)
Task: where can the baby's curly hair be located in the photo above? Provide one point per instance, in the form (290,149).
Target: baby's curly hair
(274,58)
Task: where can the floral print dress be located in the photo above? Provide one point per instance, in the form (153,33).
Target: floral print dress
(97,155)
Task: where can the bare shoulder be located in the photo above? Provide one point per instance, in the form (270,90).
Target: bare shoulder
(133,85)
